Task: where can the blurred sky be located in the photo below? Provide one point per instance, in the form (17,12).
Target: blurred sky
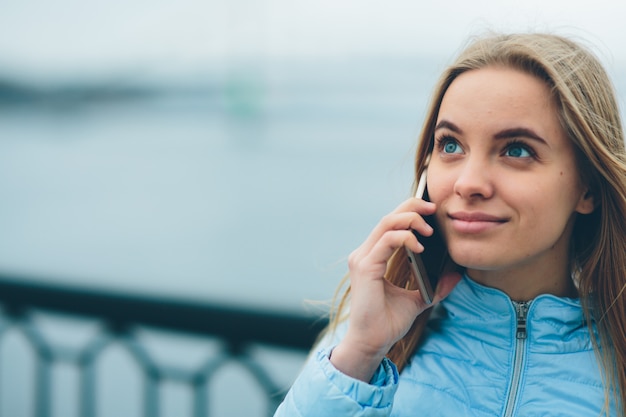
(165,38)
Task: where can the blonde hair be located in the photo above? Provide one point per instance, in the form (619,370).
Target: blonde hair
(589,114)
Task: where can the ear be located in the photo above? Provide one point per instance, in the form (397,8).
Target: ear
(586,203)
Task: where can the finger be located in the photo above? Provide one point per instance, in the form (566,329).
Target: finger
(406,216)
(394,239)
(373,263)
(397,221)
(417,205)
(405,221)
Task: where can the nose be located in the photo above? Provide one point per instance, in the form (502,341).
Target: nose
(474,180)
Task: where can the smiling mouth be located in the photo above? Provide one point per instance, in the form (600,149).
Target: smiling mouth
(475,222)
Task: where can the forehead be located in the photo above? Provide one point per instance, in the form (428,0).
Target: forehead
(500,98)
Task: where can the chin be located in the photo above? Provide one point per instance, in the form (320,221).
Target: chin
(474,259)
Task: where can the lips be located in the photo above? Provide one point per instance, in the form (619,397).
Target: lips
(475,222)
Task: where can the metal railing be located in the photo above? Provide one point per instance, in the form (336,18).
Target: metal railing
(119,316)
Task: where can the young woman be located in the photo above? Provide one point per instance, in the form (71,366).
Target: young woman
(527,181)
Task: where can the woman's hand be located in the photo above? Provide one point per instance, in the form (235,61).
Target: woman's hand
(380,312)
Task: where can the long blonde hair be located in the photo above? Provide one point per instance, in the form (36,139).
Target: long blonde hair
(589,114)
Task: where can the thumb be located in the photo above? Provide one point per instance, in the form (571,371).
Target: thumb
(447,282)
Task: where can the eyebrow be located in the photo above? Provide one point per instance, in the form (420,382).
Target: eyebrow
(515,132)
(444,124)
(519,132)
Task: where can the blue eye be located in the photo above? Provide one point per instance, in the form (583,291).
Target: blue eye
(450,146)
(516,150)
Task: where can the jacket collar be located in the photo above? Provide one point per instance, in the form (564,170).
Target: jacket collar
(553,324)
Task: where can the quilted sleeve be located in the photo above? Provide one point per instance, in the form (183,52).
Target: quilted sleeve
(322,391)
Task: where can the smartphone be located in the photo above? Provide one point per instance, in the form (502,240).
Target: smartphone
(428,266)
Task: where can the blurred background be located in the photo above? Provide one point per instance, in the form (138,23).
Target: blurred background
(233,151)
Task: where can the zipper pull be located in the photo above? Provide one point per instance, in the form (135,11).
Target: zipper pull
(521,310)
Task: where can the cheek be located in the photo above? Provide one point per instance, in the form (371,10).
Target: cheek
(545,209)
(438,187)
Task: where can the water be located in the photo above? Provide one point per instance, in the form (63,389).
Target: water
(171,197)
(256,202)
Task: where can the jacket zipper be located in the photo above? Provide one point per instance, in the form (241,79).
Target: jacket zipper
(521,312)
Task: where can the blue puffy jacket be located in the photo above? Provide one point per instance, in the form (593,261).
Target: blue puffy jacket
(483,355)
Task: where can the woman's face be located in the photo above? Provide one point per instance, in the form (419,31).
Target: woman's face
(504,177)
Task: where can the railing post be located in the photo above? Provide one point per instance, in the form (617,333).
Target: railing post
(42,388)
